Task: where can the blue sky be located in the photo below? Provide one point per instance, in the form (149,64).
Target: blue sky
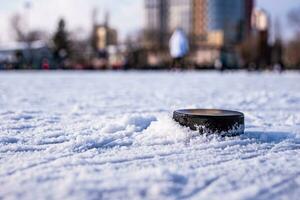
(126,15)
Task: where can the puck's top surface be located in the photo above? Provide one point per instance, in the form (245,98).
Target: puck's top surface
(209,113)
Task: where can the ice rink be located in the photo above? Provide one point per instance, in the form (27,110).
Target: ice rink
(110,135)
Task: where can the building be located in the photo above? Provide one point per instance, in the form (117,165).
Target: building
(260,24)
(157,20)
(218,26)
(21,55)
(105,36)
(224,17)
(230,19)
(157,14)
(249,7)
(164,16)
(260,20)
(204,19)
(210,24)
(199,21)
(180,15)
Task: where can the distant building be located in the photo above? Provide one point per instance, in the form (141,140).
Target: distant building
(229,21)
(260,24)
(219,25)
(157,19)
(104,39)
(180,15)
(212,24)
(260,20)
(105,36)
(199,21)
(164,16)
(19,55)
(249,6)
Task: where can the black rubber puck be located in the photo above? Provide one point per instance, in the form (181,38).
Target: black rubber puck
(223,122)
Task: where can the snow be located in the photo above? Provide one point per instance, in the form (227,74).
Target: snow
(110,135)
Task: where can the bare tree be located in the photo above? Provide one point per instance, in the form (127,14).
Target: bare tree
(17,25)
(18,28)
(37,35)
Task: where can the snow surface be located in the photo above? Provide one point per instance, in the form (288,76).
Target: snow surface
(84,135)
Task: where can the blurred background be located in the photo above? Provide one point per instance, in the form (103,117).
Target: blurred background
(135,34)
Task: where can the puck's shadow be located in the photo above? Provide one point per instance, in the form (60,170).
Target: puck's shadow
(270,136)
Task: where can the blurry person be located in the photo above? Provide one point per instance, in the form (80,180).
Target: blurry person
(19,60)
(45,64)
(179,48)
(278,67)
(218,65)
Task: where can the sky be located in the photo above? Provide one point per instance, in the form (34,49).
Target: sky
(127,16)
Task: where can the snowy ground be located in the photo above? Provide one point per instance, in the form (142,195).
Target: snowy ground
(107,135)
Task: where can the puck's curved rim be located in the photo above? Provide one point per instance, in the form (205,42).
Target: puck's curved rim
(209,113)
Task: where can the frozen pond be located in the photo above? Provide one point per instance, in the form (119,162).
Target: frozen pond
(110,135)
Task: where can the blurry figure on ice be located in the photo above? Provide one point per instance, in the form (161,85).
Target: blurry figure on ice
(179,47)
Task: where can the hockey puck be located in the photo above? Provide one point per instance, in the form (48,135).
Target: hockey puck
(211,121)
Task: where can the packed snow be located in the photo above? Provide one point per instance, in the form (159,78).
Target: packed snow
(110,135)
